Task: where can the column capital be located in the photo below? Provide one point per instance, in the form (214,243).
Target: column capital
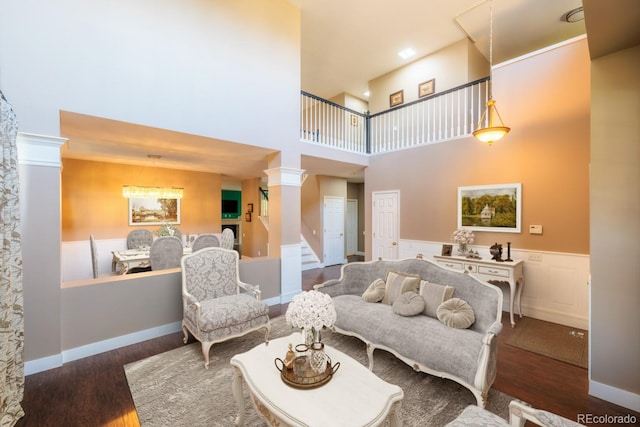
(39,150)
(285,176)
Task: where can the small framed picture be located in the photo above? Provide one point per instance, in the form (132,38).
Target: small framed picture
(446,250)
(396,98)
(354,120)
(427,88)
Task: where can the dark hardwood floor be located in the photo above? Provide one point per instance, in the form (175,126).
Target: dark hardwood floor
(94,391)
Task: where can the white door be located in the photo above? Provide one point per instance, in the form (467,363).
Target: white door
(385,224)
(352,227)
(333,241)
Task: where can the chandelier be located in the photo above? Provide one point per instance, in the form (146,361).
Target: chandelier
(138,192)
(490,126)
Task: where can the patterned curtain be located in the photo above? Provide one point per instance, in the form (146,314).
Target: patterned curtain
(11,306)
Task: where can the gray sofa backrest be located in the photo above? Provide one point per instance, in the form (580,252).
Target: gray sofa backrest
(485,299)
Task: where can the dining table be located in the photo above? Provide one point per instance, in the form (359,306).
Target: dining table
(128,259)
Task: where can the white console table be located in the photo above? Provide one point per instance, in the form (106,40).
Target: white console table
(490,271)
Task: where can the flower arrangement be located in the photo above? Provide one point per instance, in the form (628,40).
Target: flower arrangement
(311,310)
(462,236)
(166,230)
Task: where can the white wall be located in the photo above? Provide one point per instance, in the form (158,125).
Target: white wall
(189,66)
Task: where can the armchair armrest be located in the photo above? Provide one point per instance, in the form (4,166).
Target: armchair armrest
(520,412)
(252,289)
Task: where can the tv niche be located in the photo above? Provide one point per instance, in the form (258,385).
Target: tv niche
(231,204)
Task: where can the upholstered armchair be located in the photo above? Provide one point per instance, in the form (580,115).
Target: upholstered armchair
(217,306)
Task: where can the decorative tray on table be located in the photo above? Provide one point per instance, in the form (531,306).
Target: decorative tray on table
(301,375)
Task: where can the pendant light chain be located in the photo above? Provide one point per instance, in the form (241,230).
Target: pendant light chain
(490,49)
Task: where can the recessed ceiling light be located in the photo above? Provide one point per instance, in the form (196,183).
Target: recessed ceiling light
(574,15)
(407,53)
(366,93)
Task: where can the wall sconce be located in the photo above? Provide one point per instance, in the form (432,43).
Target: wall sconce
(247,217)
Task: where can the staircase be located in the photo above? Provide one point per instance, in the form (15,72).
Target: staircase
(309,258)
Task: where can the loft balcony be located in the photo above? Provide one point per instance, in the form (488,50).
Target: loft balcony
(440,117)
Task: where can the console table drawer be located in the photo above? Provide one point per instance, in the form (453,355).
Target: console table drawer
(493,271)
(452,264)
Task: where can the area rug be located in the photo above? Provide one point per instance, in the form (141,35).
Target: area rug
(174,389)
(559,342)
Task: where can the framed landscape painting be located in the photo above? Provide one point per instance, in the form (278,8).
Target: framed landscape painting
(154,211)
(490,207)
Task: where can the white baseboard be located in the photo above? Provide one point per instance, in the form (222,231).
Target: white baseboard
(55,361)
(615,395)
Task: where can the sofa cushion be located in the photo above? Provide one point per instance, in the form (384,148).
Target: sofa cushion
(399,283)
(456,313)
(408,304)
(375,291)
(434,295)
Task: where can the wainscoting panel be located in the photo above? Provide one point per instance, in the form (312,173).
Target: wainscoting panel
(556,284)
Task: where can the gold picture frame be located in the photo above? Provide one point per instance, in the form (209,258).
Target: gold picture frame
(396,98)
(427,88)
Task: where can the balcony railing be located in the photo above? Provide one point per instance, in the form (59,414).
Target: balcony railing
(446,115)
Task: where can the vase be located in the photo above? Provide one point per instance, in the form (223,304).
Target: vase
(318,358)
(310,336)
(463,248)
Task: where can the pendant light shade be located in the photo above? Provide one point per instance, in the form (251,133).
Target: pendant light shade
(490,126)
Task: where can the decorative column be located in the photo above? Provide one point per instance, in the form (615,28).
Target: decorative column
(40,210)
(285,227)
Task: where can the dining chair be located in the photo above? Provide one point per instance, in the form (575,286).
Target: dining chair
(204,241)
(227,239)
(139,238)
(165,252)
(217,306)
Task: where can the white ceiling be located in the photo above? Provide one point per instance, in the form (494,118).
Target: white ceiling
(345,43)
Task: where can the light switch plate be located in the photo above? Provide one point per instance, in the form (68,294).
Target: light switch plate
(535,229)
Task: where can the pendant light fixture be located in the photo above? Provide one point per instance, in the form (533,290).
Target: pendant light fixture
(143,192)
(490,126)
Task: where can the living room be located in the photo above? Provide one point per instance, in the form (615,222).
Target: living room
(554,135)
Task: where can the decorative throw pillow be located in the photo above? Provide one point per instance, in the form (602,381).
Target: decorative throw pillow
(434,295)
(399,283)
(456,313)
(408,304)
(375,291)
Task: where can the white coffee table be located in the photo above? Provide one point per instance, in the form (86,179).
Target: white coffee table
(354,396)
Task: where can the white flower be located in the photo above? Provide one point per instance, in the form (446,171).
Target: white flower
(463,236)
(311,309)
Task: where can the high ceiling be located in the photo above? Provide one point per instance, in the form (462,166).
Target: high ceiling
(345,43)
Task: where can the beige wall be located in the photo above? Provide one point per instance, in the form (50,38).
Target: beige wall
(92,201)
(615,224)
(547,151)
(450,67)
(255,237)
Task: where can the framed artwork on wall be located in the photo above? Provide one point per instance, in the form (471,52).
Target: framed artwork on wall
(396,98)
(154,211)
(490,207)
(427,88)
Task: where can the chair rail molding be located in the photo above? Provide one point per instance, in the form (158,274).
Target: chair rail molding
(39,150)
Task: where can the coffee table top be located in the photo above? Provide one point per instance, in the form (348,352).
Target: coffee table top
(354,396)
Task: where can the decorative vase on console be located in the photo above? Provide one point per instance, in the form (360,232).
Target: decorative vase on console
(311,311)
(463,238)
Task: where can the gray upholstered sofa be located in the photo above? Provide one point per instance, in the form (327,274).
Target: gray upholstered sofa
(467,356)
